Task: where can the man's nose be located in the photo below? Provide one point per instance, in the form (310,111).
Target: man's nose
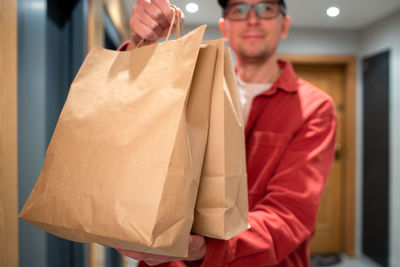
(253,18)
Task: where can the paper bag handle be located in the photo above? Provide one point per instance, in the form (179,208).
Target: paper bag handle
(178,28)
(179,24)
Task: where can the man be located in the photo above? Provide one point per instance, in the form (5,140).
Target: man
(290,133)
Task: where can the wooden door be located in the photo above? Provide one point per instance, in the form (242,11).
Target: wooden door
(330,230)
(8,134)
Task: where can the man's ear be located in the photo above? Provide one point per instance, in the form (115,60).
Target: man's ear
(222,28)
(285,27)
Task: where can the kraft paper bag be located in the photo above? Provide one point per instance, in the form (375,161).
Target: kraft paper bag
(124,163)
(222,205)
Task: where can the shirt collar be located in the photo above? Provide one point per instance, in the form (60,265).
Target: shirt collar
(287,81)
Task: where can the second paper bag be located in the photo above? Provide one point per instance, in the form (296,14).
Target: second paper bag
(222,205)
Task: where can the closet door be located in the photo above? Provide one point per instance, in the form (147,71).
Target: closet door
(376,158)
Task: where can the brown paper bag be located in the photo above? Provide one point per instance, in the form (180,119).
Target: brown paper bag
(222,205)
(123,166)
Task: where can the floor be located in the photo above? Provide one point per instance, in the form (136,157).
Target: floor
(355,262)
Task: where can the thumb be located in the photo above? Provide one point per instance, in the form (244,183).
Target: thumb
(196,242)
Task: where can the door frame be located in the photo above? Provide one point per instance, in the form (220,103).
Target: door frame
(349,147)
(8,134)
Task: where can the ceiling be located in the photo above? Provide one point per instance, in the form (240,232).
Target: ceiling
(355,14)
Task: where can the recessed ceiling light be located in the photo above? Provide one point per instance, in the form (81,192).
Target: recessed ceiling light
(333,11)
(192,7)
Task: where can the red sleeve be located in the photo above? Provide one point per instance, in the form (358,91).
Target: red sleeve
(123,46)
(285,218)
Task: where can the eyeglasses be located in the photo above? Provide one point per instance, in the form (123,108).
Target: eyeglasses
(264,10)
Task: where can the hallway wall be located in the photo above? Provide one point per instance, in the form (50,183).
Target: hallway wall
(320,41)
(306,41)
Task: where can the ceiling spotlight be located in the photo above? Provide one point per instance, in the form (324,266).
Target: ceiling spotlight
(192,7)
(333,11)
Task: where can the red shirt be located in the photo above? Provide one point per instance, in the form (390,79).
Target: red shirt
(290,140)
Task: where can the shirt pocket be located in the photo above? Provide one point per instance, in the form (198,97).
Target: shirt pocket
(264,152)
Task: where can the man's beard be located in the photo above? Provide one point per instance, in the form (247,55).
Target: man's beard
(254,56)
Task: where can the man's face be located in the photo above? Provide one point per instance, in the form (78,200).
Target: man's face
(255,38)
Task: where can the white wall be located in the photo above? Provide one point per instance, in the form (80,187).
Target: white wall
(317,41)
(377,38)
(306,41)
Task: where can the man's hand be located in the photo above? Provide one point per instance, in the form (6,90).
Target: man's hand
(197,251)
(150,21)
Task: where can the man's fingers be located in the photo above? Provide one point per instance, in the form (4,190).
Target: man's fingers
(148,21)
(153,11)
(131,254)
(134,254)
(145,256)
(154,262)
(144,31)
(151,20)
(164,6)
(197,250)
(196,242)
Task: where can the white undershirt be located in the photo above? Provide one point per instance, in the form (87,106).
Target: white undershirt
(247,92)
